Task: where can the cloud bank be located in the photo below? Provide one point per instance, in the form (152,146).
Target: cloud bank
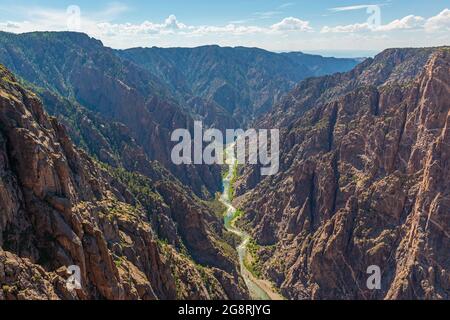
(438,23)
(283,34)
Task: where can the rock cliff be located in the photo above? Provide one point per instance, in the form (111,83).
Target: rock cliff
(59,207)
(363,181)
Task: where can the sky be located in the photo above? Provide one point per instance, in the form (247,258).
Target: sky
(334,28)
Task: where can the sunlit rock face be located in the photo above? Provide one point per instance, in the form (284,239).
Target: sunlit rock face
(59,208)
(363,181)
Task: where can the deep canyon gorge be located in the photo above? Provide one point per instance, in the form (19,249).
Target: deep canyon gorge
(87,178)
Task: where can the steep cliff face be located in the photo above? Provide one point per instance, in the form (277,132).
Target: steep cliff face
(58,208)
(363,181)
(94,80)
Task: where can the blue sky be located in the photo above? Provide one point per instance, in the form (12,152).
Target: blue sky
(334,27)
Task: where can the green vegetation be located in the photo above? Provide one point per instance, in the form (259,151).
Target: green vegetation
(116,207)
(252,261)
(232,239)
(178,284)
(6,288)
(211,284)
(36,277)
(234,176)
(322,123)
(162,243)
(118,262)
(216,206)
(226,248)
(10,289)
(236,216)
(139,185)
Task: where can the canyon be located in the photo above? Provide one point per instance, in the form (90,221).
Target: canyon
(60,207)
(87,177)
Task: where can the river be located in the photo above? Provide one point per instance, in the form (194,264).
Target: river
(259,289)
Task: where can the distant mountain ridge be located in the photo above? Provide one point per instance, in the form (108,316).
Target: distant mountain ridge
(243,81)
(219,84)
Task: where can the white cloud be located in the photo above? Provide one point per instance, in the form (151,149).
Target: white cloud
(357,27)
(440,22)
(437,23)
(408,22)
(230,29)
(291,24)
(250,32)
(47,19)
(171,25)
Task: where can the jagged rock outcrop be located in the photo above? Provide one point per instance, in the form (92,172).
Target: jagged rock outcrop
(58,208)
(363,181)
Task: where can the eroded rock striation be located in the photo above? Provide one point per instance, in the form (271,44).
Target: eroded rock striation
(59,207)
(364,180)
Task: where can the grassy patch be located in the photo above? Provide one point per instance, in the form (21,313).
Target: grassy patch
(252,261)
(237,214)
(118,262)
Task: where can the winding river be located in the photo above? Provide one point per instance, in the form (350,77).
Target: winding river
(259,289)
